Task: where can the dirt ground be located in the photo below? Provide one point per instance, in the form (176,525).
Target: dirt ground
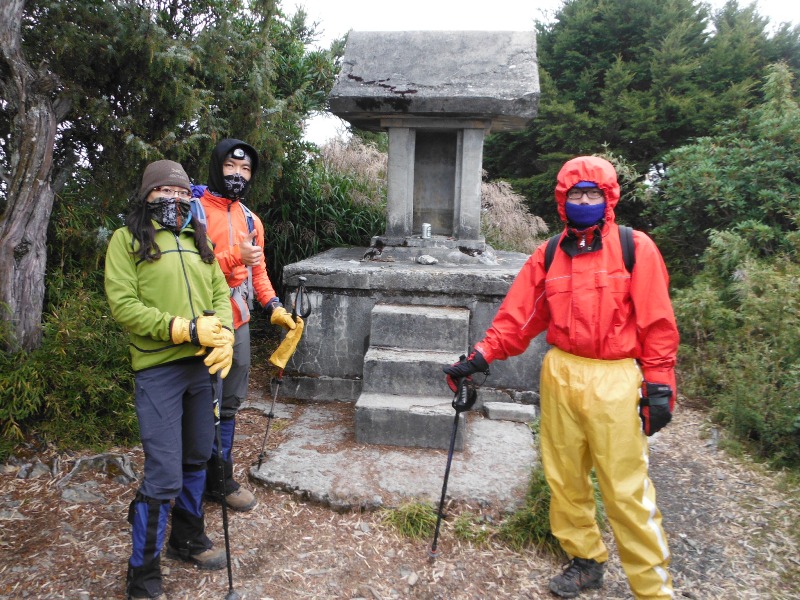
(733,533)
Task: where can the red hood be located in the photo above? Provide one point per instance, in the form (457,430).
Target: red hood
(588,168)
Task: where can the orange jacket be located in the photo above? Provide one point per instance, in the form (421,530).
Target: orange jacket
(589,304)
(227,228)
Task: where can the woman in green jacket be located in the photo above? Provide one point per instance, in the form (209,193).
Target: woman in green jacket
(162,282)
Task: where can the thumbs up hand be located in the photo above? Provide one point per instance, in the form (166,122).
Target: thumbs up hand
(251,253)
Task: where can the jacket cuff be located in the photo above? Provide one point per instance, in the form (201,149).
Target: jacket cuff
(480,347)
(271,305)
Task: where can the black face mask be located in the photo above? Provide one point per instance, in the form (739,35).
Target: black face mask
(235,186)
(172,213)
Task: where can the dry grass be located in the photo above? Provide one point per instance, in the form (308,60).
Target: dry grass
(364,162)
(506,221)
(355,157)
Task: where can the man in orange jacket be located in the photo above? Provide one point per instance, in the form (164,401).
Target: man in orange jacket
(238,237)
(606,384)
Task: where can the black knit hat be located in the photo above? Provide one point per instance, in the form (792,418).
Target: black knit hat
(163,172)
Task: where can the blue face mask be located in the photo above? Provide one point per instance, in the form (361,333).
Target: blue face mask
(585,215)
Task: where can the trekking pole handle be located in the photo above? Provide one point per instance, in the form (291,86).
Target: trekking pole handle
(301,303)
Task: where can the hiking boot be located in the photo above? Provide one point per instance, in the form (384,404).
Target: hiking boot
(210,559)
(579,574)
(240,500)
(144,581)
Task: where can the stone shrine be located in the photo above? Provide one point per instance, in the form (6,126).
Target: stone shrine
(384,322)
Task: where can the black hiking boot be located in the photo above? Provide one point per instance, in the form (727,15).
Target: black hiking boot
(579,574)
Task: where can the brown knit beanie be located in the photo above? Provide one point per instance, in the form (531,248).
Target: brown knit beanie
(163,172)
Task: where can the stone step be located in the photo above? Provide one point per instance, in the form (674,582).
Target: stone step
(420,327)
(410,421)
(406,372)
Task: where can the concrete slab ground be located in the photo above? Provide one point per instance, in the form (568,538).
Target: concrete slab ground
(319,459)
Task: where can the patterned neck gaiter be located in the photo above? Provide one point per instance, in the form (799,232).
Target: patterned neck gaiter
(235,186)
(171,213)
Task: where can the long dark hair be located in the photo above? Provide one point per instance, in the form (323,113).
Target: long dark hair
(141,226)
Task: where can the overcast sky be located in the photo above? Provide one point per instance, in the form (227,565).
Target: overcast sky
(337,17)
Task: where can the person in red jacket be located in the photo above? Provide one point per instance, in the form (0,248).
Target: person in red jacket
(607,382)
(238,237)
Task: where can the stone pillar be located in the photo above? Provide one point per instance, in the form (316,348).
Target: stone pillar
(467,214)
(400,191)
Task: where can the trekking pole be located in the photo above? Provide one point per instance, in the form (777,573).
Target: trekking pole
(301,301)
(277,381)
(463,400)
(215,393)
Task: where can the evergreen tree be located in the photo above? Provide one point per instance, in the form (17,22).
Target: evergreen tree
(124,82)
(744,179)
(636,79)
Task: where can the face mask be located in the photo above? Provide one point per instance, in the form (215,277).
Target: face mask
(171,213)
(235,185)
(585,215)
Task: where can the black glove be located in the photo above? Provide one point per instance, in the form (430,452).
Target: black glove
(464,368)
(654,410)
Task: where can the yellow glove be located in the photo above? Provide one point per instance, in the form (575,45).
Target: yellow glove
(200,331)
(282,318)
(284,352)
(220,359)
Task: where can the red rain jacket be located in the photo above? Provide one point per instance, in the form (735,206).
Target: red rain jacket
(590,305)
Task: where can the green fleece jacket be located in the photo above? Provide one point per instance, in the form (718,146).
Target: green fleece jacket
(146,296)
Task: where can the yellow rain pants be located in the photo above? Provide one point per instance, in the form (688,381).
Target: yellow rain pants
(590,419)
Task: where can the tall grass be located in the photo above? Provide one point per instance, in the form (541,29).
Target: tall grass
(506,221)
(339,200)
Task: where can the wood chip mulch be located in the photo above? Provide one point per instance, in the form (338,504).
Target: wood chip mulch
(734,532)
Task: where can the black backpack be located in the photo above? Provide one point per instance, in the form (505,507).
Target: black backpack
(625,238)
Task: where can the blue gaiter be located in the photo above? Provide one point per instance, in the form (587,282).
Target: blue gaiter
(585,215)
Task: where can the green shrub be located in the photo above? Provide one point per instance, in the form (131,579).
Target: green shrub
(740,352)
(742,179)
(76,390)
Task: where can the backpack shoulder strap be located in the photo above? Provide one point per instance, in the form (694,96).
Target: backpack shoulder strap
(198,212)
(550,251)
(248,215)
(628,249)
(625,238)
